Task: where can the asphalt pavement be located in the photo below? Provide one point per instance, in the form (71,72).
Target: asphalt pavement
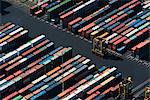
(20,15)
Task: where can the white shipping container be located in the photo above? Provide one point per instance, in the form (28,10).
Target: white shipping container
(86,61)
(37,39)
(16,31)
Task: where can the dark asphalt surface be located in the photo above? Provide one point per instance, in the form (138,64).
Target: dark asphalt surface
(21,17)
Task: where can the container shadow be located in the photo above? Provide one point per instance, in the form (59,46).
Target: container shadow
(111,57)
(108,57)
(3,6)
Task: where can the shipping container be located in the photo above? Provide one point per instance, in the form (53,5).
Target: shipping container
(13,28)
(82,10)
(52,4)
(70,24)
(22,63)
(13,38)
(118,45)
(119,18)
(5,26)
(127,31)
(39,13)
(37,70)
(85,86)
(58,78)
(139,37)
(70,8)
(113,40)
(10,96)
(146,6)
(45,81)
(140,51)
(102,87)
(93,17)
(53,13)
(24,76)
(36,7)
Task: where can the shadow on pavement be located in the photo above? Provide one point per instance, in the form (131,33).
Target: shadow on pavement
(111,57)
(3,6)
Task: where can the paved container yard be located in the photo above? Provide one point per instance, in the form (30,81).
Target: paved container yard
(18,14)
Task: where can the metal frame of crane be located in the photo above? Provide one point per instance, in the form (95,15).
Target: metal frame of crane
(98,47)
(147,93)
(125,89)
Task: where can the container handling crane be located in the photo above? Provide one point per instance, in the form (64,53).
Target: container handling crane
(125,89)
(147,93)
(98,47)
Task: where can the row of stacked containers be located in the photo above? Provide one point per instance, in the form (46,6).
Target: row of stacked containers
(36,69)
(122,24)
(32,1)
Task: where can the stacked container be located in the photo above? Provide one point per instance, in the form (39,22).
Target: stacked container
(38,70)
